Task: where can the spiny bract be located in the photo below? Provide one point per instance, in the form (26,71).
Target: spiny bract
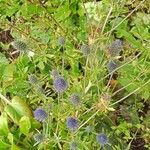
(38,137)
(73,145)
(75,99)
(32,79)
(85,49)
(61,41)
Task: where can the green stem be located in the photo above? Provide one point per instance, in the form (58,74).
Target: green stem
(5,99)
(85,72)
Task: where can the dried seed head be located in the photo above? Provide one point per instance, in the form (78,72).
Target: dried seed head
(75,99)
(19,45)
(103,104)
(102,139)
(85,49)
(32,79)
(38,137)
(61,41)
(111,66)
(40,114)
(60,85)
(115,48)
(72,123)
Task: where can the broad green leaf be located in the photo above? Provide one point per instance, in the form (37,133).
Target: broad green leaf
(18,109)
(3,145)
(12,113)
(8,73)
(130,38)
(24,125)
(21,107)
(15,147)
(3,124)
(10,138)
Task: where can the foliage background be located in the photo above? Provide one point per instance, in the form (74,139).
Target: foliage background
(125,118)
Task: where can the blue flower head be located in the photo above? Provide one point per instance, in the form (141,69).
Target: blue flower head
(40,114)
(73,145)
(32,79)
(111,66)
(61,41)
(75,99)
(115,48)
(60,84)
(102,139)
(72,123)
(38,137)
(85,49)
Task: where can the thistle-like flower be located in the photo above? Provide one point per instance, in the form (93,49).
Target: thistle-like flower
(75,99)
(72,123)
(102,139)
(19,45)
(89,129)
(60,84)
(73,145)
(115,48)
(111,66)
(61,41)
(32,79)
(40,114)
(38,137)
(85,49)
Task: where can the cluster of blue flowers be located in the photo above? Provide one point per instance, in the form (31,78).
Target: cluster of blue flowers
(60,85)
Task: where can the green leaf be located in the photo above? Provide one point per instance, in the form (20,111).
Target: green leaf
(21,107)
(41,65)
(18,109)
(8,73)
(4,130)
(3,145)
(130,38)
(24,125)
(11,139)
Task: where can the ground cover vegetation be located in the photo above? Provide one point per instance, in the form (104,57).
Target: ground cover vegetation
(75,75)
